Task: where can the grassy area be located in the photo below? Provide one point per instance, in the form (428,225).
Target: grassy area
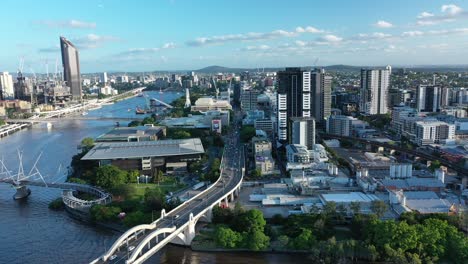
(139,188)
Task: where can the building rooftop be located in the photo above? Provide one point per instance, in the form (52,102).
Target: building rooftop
(421,195)
(427,206)
(129,150)
(349,197)
(124,133)
(413,182)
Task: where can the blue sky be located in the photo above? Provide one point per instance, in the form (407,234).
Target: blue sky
(121,35)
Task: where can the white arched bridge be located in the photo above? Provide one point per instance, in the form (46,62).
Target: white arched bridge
(178,226)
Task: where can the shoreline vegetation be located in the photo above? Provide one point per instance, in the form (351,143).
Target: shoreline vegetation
(328,237)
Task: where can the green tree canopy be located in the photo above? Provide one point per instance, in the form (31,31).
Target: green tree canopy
(109,176)
(227,238)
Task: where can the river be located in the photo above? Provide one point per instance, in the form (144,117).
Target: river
(31,233)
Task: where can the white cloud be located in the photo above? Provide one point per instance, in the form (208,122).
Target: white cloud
(67,24)
(137,51)
(451,9)
(383,24)
(331,39)
(251,36)
(443,32)
(92,41)
(448,13)
(425,14)
(412,33)
(256,48)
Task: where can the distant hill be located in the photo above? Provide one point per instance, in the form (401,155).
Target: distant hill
(342,68)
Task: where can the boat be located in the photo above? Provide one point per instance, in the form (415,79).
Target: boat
(140,111)
(49,125)
(160,91)
(140,95)
(84,113)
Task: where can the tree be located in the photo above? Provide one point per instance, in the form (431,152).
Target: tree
(227,238)
(246,133)
(134,123)
(304,241)
(132,176)
(257,240)
(136,218)
(256,173)
(154,198)
(159,177)
(250,221)
(355,207)
(283,241)
(435,165)
(102,213)
(379,208)
(329,209)
(109,176)
(87,143)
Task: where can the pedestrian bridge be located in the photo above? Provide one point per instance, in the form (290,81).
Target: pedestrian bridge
(178,226)
(68,194)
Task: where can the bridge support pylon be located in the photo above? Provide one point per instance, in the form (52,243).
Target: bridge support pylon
(22,191)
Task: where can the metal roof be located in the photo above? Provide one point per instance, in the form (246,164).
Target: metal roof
(349,197)
(129,150)
(420,195)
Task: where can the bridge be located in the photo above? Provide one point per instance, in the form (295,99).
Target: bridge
(163,103)
(451,165)
(20,181)
(178,226)
(9,129)
(67,118)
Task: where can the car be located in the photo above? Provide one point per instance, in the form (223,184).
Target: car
(176,216)
(113,257)
(130,248)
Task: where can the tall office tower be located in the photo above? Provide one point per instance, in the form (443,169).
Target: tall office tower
(320,95)
(103,78)
(374,91)
(428,98)
(187,98)
(7,90)
(303,131)
(71,68)
(249,99)
(293,98)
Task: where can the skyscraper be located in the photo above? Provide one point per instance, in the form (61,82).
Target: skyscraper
(71,68)
(303,131)
(320,95)
(374,91)
(7,90)
(293,98)
(103,78)
(428,98)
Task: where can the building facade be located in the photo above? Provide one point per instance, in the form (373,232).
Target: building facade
(7,90)
(374,91)
(293,98)
(320,95)
(71,68)
(428,98)
(303,131)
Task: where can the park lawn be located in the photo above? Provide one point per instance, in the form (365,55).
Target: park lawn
(140,188)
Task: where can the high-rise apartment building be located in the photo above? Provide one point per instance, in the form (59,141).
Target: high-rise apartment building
(71,68)
(303,131)
(374,91)
(428,98)
(103,78)
(293,98)
(320,95)
(7,90)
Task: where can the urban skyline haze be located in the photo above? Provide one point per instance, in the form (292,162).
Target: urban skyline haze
(179,35)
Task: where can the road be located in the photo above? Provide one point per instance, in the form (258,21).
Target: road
(232,163)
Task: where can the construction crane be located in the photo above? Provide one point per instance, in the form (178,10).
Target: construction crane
(216,88)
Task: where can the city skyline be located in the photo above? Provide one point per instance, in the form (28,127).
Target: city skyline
(183,35)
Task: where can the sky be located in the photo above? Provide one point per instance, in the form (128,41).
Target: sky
(148,35)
